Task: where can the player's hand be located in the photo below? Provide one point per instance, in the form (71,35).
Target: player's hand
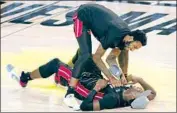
(151,96)
(115,82)
(123,80)
(100,84)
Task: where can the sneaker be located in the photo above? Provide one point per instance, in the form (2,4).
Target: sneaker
(13,74)
(71,102)
(22,82)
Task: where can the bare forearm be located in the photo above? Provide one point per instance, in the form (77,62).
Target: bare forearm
(123,61)
(111,60)
(146,86)
(112,57)
(99,62)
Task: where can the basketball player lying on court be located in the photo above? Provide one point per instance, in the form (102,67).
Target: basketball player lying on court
(93,89)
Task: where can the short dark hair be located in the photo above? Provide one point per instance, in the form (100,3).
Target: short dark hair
(139,35)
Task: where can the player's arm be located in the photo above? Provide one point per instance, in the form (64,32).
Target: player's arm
(123,61)
(107,102)
(97,58)
(111,58)
(144,84)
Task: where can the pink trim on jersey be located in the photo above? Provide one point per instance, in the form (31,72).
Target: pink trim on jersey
(74,16)
(66,74)
(78,26)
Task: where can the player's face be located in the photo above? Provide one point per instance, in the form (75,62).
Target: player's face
(132,93)
(134,45)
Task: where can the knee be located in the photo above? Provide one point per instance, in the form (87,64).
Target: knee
(49,68)
(82,60)
(55,61)
(85,56)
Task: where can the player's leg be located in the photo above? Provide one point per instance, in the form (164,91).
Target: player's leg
(84,84)
(85,54)
(84,40)
(44,71)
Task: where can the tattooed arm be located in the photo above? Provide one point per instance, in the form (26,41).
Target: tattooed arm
(123,61)
(97,58)
(111,59)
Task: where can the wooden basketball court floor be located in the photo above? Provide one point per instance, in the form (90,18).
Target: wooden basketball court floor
(31,34)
